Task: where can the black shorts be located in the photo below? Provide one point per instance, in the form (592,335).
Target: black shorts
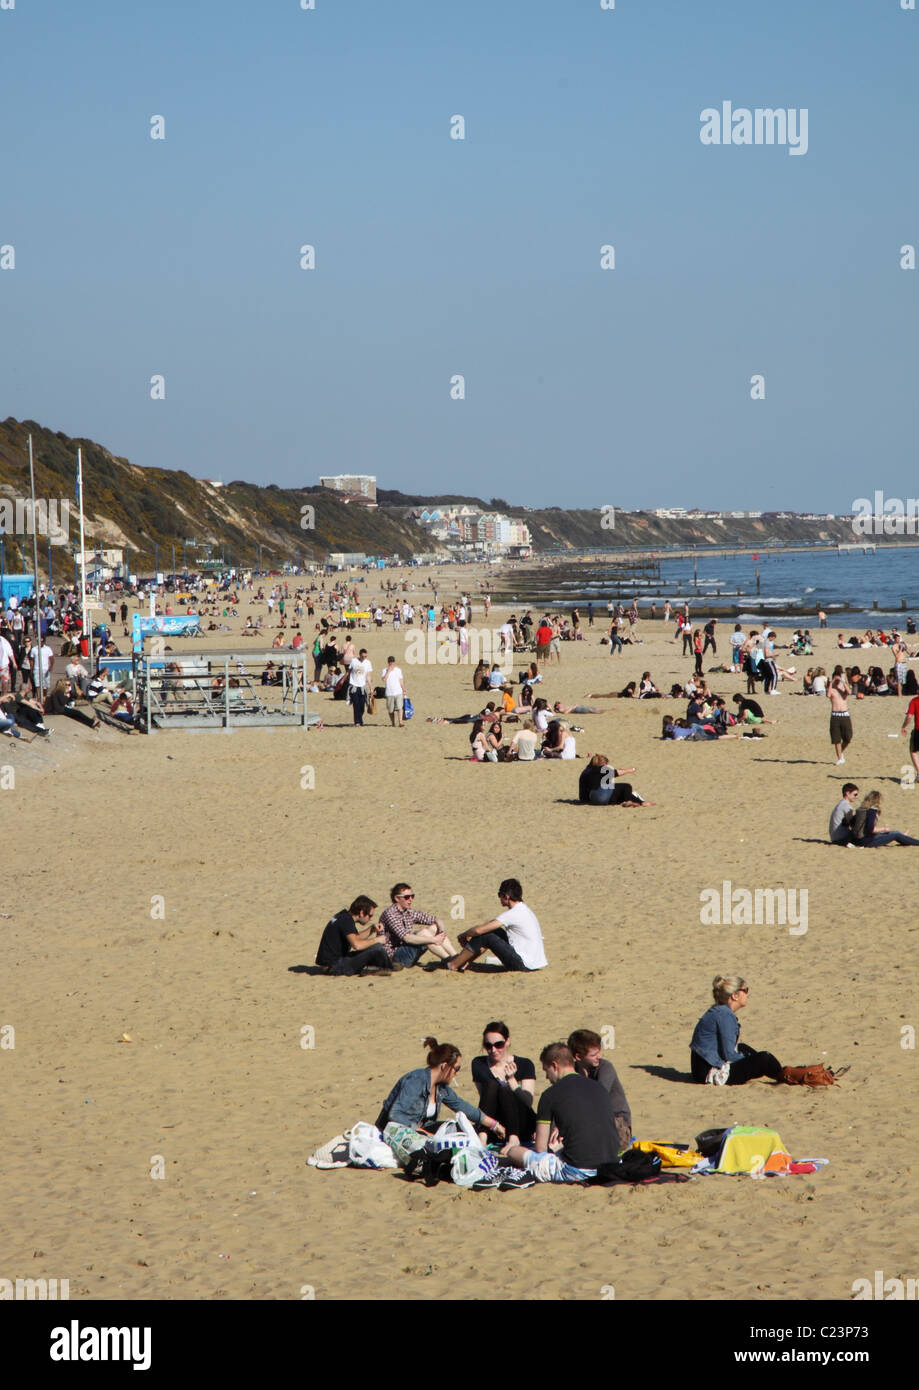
(914,741)
(841,729)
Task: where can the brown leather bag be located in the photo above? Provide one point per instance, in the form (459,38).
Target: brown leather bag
(817,1075)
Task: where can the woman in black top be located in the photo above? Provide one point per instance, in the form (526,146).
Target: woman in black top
(60,702)
(506,1084)
(598,787)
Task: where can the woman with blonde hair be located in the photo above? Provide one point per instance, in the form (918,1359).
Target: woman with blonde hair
(716,1055)
(867,834)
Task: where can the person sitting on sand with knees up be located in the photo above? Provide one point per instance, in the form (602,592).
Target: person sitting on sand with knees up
(578,1112)
(716,1055)
(587,1050)
(842,816)
(866,833)
(416,1098)
(351,944)
(506,1084)
(514,936)
(403,943)
(597,785)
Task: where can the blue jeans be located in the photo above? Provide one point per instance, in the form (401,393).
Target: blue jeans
(408,955)
(890,837)
(602,796)
(7,723)
(497,942)
(615,643)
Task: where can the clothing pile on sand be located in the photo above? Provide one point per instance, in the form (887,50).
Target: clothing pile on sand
(455,1154)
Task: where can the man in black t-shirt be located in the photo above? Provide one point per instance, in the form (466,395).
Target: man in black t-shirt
(710,636)
(750,711)
(575,1125)
(586,1048)
(350,943)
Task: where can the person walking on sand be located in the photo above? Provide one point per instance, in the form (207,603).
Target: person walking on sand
(912,712)
(838,692)
(359,674)
(900,655)
(394,689)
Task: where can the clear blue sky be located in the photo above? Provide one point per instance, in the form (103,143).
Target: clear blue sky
(481,257)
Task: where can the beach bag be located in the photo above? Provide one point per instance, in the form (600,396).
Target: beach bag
(472,1165)
(408,709)
(367,1148)
(631,1166)
(816,1075)
(403,1141)
(670,1155)
(432,1168)
(450,1137)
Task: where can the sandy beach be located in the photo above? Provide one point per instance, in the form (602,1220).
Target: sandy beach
(249,866)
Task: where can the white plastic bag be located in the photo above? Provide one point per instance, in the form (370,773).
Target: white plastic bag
(367,1148)
(471,1165)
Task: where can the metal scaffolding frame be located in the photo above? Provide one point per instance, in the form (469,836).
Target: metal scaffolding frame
(221,690)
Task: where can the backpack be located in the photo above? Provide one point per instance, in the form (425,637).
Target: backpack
(631,1166)
(816,1075)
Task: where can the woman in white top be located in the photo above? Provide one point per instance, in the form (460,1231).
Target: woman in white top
(541,716)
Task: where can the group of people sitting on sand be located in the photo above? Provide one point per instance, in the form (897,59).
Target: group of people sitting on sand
(580,1122)
(352,944)
(583,1119)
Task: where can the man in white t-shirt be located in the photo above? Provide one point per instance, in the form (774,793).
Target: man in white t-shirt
(506,634)
(394,689)
(359,672)
(47,664)
(514,936)
(523,744)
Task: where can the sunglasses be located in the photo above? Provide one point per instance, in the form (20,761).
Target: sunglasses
(406,895)
(495,1046)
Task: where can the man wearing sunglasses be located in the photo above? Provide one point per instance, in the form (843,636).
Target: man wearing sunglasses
(402,943)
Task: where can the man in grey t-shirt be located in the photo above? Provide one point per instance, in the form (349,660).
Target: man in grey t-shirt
(841,816)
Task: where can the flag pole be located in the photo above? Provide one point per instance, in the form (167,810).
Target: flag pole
(87,626)
(37,608)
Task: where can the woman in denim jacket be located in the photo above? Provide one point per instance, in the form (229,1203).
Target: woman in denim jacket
(715,1053)
(416,1098)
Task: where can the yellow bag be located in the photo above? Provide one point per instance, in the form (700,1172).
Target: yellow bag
(670,1156)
